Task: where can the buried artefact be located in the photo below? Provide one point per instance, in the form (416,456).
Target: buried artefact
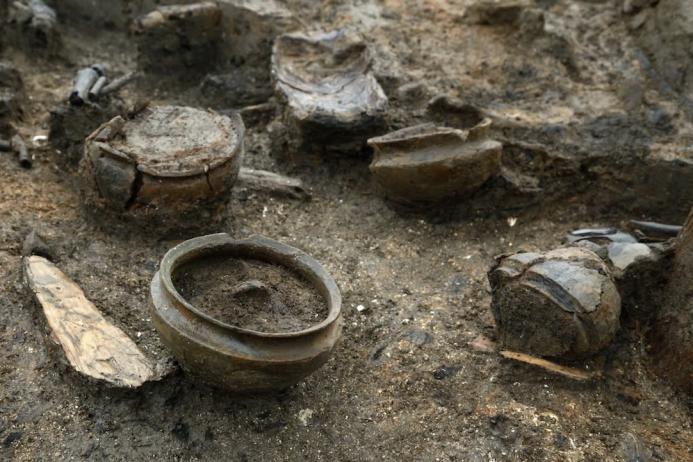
(245,315)
(331,94)
(639,269)
(165,161)
(92,345)
(427,163)
(561,303)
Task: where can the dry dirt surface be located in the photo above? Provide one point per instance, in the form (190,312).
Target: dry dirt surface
(416,375)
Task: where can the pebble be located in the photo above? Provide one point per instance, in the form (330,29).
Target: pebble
(305,416)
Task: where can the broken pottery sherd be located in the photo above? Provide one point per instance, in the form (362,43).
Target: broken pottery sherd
(426,163)
(207,325)
(165,161)
(331,94)
(598,239)
(179,37)
(638,269)
(93,346)
(562,303)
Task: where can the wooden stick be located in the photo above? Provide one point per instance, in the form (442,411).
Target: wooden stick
(274,183)
(656,228)
(97,87)
(565,371)
(118,83)
(22,151)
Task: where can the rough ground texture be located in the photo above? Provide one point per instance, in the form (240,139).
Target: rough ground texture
(415,376)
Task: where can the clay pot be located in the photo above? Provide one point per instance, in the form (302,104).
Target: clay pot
(166,161)
(332,97)
(427,164)
(231,357)
(562,303)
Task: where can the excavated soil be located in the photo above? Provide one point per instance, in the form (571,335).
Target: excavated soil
(251,294)
(416,375)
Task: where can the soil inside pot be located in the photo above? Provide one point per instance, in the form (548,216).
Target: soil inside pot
(252,294)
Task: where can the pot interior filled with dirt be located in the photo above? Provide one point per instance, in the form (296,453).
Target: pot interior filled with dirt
(245,315)
(250,293)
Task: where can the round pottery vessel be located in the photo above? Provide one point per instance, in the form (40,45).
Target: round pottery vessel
(167,161)
(229,356)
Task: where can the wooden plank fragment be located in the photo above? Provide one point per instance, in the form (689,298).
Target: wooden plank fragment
(92,345)
(565,371)
(273,183)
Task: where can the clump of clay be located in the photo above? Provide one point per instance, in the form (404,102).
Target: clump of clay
(562,303)
(251,294)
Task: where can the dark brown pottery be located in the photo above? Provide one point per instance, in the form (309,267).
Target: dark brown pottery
(231,357)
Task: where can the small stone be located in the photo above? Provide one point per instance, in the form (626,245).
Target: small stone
(562,303)
(445,371)
(305,416)
(360,308)
(11,438)
(418,337)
